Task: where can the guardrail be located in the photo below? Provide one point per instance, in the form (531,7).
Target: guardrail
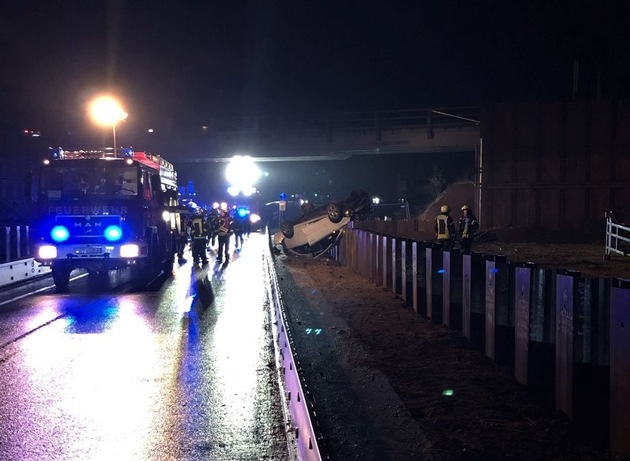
(564,335)
(297,397)
(16,262)
(617,237)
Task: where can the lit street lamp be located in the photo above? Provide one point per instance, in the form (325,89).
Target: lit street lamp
(107,111)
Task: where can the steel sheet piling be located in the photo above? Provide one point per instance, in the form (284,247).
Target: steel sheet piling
(420,278)
(565,294)
(406,272)
(395,266)
(378,259)
(620,367)
(499,332)
(452,289)
(466,294)
(542,348)
(434,268)
(566,336)
(523,275)
(387,261)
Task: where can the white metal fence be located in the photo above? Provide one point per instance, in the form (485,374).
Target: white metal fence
(617,237)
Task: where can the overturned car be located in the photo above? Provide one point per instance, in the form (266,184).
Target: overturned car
(321,228)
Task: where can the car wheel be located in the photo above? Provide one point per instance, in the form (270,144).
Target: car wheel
(287,229)
(334,212)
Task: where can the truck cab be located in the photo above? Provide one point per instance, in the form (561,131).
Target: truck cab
(101,211)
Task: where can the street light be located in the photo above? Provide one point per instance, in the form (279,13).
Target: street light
(107,111)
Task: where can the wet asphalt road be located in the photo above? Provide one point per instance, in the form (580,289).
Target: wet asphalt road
(113,374)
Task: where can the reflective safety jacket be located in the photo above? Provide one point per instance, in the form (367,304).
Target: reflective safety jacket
(199,229)
(468,226)
(224,225)
(444,227)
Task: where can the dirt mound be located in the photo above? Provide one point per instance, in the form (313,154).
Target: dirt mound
(456,195)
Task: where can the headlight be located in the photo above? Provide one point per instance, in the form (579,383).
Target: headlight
(47,252)
(60,233)
(166,216)
(130,250)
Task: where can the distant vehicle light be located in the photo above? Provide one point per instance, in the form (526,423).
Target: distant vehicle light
(47,252)
(60,234)
(166,216)
(31,133)
(113,233)
(130,250)
(254,218)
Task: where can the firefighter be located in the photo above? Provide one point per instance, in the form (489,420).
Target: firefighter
(182,241)
(213,224)
(468,227)
(238,228)
(224,225)
(199,234)
(445,228)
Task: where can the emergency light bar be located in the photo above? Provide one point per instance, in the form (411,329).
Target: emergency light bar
(151,160)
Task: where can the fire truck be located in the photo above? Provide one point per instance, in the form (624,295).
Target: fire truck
(102,210)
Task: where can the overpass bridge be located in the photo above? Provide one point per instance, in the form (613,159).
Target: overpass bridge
(325,136)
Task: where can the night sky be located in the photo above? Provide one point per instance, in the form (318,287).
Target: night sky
(178,64)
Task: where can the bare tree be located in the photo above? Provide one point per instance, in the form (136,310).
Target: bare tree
(436,184)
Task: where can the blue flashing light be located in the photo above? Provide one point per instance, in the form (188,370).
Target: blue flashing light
(242,212)
(127,152)
(56,153)
(283,196)
(60,234)
(113,233)
(441,271)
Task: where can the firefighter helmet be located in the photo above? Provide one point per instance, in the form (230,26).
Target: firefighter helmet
(465,207)
(445,209)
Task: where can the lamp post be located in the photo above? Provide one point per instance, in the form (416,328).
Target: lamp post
(107,111)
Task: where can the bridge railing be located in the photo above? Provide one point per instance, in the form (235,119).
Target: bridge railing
(351,122)
(15,244)
(16,258)
(617,237)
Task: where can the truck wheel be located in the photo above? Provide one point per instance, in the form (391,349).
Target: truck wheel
(61,277)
